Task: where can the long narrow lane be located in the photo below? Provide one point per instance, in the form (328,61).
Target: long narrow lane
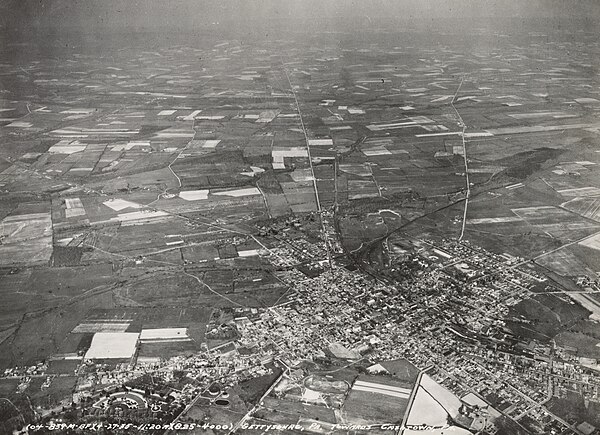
(312,171)
(464,145)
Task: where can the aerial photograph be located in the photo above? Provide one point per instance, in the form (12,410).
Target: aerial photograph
(354,217)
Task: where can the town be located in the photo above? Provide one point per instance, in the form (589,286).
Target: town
(280,224)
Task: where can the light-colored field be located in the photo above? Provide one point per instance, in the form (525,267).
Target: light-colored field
(112,345)
(210,117)
(174,132)
(538,128)
(587,302)
(302,175)
(27,239)
(82,132)
(248,253)
(193,195)
(267,116)
(537,115)
(387,390)
(83,328)
(449,401)
(362,195)
(77,111)
(20,124)
(209,143)
(431,406)
(448,133)
(66,146)
(472,399)
(166,112)
(290,152)
(166,334)
(425,410)
(141,217)
(581,191)
(592,242)
(312,396)
(362,189)
(540,212)
(475,134)
(356,169)
(587,207)
(376,399)
(496,220)
(74,207)
(376,151)
(130,145)
(238,192)
(559,228)
(191,116)
(120,204)
(80,172)
(320,142)
(394,126)
(355,111)
(587,100)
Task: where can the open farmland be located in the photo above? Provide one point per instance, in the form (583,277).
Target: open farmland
(301,216)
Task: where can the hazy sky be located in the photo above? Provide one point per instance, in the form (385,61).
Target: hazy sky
(185,14)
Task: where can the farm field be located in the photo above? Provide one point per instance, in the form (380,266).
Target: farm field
(326,215)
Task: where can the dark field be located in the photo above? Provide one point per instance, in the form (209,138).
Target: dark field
(575,410)
(547,315)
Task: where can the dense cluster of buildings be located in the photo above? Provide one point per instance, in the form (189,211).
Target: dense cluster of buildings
(446,318)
